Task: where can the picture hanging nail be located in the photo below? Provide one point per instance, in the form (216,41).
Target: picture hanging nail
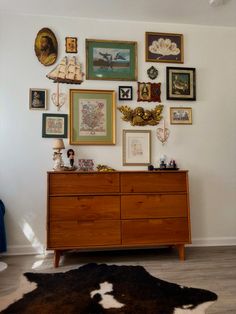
(152,73)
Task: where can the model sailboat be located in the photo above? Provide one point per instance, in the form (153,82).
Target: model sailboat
(67,71)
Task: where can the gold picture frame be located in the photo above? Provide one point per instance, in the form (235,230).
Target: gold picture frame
(71,44)
(136,147)
(180,115)
(92,117)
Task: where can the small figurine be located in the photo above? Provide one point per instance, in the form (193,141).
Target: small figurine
(71,156)
(172,164)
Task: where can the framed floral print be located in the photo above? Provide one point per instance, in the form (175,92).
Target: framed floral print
(181,83)
(164,47)
(111,60)
(136,147)
(54,125)
(92,117)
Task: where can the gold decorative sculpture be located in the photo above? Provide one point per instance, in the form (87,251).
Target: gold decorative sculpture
(140,116)
(104,168)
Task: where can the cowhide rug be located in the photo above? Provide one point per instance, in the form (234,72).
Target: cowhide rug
(100,289)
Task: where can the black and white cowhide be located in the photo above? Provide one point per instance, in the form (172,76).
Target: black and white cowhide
(100,289)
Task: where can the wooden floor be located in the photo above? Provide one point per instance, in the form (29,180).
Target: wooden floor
(212,268)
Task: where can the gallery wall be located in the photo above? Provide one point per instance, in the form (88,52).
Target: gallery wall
(206,148)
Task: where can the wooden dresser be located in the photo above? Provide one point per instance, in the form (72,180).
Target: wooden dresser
(122,209)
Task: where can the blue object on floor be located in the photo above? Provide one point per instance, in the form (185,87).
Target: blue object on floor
(3,242)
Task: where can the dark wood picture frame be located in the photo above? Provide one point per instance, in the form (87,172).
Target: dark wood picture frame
(54,125)
(180,83)
(125,92)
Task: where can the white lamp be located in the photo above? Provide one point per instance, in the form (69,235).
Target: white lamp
(58,145)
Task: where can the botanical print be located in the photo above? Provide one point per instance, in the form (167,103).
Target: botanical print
(92,117)
(54,125)
(111,60)
(136,147)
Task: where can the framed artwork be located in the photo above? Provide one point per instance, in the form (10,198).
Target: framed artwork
(180,115)
(111,60)
(152,73)
(38,99)
(181,83)
(92,117)
(125,92)
(164,47)
(149,91)
(71,44)
(136,147)
(46,47)
(86,165)
(54,125)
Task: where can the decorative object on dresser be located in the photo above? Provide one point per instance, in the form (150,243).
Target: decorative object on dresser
(67,71)
(180,83)
(86,165)
(164,47)
(104,168)
(111,60)
(58,145)
(92,210)
(92,117)
(149,91)
(140,117)
(136,147)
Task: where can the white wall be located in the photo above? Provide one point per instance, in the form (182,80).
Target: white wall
(207,148)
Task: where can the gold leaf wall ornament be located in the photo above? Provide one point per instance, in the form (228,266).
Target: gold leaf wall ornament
(140,116)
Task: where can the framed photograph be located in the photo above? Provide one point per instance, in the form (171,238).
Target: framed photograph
(164,47)
(92,117)
(46,47)
(38,99)
(181,83)
(71,44)
(180,115)
(125,92)
(136,147)
(111,60)
(149,91)
(86,165)
(54,125)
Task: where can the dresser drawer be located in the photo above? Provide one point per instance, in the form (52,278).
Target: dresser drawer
(79,183)
(153,182)
(153,206)
(155,231)
(84,207)
(84,234)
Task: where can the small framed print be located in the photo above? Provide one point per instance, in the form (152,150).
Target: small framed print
(71,45)
(164,47)
(38,99)
(180,115)
(86,165)
(149,91)
(125,93)
(136,147)
(181,83)
(54,125)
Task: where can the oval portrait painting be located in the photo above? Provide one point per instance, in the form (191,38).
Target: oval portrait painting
(45,47)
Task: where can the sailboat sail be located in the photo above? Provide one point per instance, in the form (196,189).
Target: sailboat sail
(67,71)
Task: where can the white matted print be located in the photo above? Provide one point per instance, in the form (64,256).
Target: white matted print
(136,147)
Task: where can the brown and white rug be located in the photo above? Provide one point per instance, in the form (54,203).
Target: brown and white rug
(104,289)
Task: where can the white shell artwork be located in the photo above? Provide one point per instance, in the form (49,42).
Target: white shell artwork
(164,47)
(163,134)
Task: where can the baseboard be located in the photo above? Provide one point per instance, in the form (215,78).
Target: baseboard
(29,250)
(217,241)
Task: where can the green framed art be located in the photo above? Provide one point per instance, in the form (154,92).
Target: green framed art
(111,60)
(92,117)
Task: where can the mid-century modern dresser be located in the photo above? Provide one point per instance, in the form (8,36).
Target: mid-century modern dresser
(121,209)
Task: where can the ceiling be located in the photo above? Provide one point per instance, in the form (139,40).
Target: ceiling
(200,12)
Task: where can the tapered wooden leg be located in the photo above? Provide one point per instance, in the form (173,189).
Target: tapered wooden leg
(57,255)
(180,248)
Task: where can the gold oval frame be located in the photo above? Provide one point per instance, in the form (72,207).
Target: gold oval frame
(46,59)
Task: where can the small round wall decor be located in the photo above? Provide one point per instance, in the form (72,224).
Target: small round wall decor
(152,73)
